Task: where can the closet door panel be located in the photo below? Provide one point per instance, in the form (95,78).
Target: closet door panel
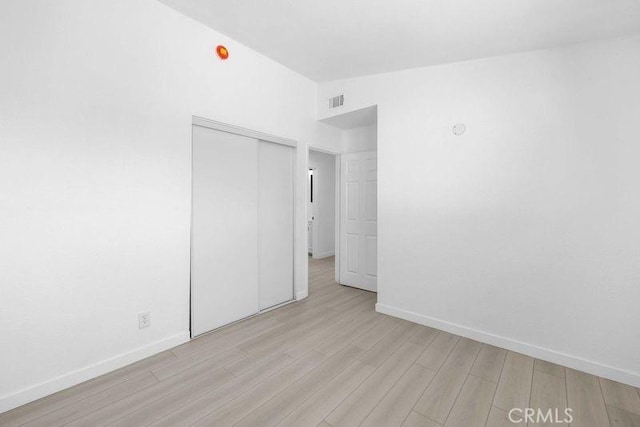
(224,231)
(275,224)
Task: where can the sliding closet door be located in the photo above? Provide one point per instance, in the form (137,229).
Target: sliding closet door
(275,224)
(224,231)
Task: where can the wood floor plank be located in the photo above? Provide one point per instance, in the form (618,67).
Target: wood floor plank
(185,414)
(322,274)
(364,306)
(314,410)
(244,404)
(81,391)
(440,396)
(299,317)
(620,395)
(291,338)
(320,295)
(347,305)
(195,378)
(548,393)
(417,420)
(438,350)
(185,396)
(348,335)
(277,335)
(549,368)
(280,406)
(500,418)
(327,295)
(464,354)
(472,406)
(488,364)
(398,403)
(313,341)
(423,335)
(586,400)
(243,364)
(361,402)
(514,387)
(621,418)
(86,406)
(384,325)
(388,345)
(212,360)
(227,337)
(340,302)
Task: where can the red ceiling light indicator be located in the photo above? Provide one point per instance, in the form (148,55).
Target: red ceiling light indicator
(223,52)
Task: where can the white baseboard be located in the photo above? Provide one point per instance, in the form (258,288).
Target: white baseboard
(323,255)
(570,361)
(51,386)
(302,295)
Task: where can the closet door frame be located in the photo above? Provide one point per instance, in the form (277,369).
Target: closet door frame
(299,212)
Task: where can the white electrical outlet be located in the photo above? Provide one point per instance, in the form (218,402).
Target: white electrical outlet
(144,320)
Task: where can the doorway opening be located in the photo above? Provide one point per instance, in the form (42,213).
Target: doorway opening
(322,205)
(356,237)
(310,217)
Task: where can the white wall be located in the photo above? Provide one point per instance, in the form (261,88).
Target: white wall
(324,182)
(524,231)
(364,138)
(96,100)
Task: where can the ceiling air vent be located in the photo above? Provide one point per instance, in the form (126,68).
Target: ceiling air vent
(336,101)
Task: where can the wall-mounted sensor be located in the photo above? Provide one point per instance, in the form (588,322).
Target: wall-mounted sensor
(459,129)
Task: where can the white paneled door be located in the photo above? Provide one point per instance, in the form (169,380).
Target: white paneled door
(359,220)
(242,227)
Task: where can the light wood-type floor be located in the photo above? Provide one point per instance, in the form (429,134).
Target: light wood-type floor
(331,360)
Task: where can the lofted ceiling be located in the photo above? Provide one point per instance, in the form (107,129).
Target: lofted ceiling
(334,39)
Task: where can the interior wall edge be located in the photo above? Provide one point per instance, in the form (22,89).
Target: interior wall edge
(549,355)
(302,295)
(105,366)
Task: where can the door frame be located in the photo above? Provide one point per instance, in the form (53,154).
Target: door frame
(311,194)
(300,278)
(250,133)
(336,240)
